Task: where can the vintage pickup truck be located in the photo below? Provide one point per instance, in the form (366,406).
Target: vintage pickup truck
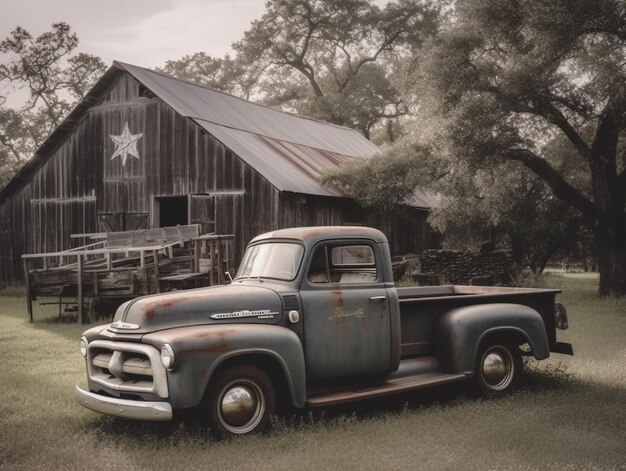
(312,318)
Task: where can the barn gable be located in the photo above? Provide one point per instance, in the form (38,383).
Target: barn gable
(290,151)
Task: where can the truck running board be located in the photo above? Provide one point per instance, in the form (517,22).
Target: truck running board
(392,386)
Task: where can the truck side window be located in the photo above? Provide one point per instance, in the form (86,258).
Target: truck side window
(353,255)
(353,264)
(318,273)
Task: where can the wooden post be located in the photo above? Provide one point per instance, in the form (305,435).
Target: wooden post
(157,275)
(213,265)
(220,266)
(227,244)
(81,294)
(196,256)
(144,270)
(29,299)
(92,309)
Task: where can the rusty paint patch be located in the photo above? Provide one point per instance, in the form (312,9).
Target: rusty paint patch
(326,232)
(337,293)
(218,343)
(164,303)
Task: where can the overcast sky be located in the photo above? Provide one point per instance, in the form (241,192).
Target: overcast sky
(141,32)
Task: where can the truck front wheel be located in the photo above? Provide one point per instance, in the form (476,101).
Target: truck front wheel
(240,400)
(498,369)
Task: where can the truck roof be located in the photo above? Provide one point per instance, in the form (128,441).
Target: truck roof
(315,233)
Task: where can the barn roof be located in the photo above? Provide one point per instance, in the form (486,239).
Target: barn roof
(288,150)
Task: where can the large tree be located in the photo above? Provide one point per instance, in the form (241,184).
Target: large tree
(506,77)
(52,79)
(336,60)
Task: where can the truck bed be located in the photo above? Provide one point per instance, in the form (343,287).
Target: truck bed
(420,307)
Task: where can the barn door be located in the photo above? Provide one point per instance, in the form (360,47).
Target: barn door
(228,213)
(219,212)
(202,211)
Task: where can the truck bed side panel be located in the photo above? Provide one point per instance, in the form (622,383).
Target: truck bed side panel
(418,316)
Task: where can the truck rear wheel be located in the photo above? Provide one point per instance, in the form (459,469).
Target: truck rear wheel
(240,400)
(498,369)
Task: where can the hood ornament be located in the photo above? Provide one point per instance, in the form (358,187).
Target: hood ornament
(124,326)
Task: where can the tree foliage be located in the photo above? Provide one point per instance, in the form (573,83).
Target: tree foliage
(386,181)
(53,79)
(336,60)
(525,214)
(519,206)
(508,77)
(224,74)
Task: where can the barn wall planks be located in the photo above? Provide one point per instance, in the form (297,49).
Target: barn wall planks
(80,188)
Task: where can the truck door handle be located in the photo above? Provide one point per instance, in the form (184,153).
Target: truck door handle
(378,298)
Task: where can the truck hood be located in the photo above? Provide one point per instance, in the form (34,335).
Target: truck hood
(214,305)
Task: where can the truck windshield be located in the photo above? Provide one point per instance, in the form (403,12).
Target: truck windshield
(277,260)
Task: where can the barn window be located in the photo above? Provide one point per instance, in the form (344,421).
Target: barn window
(144,92)
(173,210)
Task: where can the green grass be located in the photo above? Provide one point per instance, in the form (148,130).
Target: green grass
(571,413)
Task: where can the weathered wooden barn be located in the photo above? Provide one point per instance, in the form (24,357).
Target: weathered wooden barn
(145,150)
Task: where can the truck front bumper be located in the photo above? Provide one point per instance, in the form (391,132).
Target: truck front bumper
(141,410)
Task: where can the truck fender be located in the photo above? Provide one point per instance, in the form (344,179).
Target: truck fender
(200,350)
(458,333)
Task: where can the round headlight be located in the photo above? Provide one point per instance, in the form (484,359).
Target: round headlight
(167,356)
(83,346)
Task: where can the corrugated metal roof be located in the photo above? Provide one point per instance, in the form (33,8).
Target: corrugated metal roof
(290,151)
(196,101)
(288,166)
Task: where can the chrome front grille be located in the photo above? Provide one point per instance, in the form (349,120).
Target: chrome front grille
(127,367)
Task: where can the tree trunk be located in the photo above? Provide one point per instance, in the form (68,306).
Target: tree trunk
(611,263)
(517,250)
(612,266)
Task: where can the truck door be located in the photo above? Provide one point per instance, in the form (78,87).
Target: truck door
(345,306)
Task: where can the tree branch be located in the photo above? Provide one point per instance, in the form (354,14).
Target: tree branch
(6,143)
(355,70)
(579,108)
(561,188)
(546,109)
(554,115)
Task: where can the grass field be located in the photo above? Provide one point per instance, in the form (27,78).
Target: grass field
(571,413)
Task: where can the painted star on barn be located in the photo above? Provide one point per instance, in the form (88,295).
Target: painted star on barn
(125,144)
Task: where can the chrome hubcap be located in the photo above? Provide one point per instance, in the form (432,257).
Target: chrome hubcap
(498,368)
(240,406)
